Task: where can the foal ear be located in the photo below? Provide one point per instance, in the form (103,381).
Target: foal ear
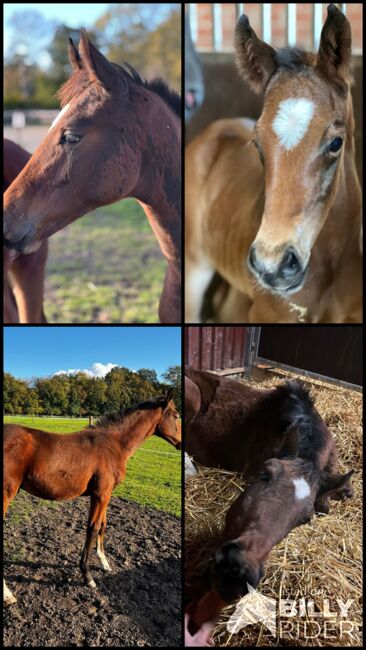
(97,66)
(169,395)
(74,56)
(335,48)
(254,58)
(336,486)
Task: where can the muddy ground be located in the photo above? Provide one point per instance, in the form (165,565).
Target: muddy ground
(139,603)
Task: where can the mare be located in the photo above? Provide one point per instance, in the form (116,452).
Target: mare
(91,462)
(276,210)
(278,440)
(117,136)
(23,295)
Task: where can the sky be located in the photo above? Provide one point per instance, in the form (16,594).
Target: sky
(73,14)
(39,351)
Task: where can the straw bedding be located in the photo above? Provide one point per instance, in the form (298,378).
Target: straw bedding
(317,561)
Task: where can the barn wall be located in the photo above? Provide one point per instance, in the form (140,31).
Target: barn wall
(216,348)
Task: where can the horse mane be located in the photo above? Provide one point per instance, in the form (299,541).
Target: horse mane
(293,58)
(115,417)
(298,407)
(79,80)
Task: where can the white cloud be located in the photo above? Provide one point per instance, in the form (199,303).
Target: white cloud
(95,370)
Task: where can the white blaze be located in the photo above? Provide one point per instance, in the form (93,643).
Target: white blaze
(292,121)
(302,488)
(58,117)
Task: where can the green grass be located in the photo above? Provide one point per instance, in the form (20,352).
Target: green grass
(153,476)
(106,267)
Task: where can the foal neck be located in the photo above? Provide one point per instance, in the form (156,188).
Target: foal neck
(135,428)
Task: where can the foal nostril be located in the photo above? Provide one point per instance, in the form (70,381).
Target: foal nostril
(252,259)
(290,264)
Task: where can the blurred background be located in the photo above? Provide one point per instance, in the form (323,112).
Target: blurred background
(212,35)
(80,285)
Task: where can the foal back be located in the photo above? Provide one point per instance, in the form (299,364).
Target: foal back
(58,467)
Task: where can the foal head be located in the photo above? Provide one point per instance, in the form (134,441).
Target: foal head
(169,426)
(280,499)
(303,137)
(110,141)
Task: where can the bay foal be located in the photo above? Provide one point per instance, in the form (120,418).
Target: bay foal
(278,441)
(117,136)
(276,210)
(91,462)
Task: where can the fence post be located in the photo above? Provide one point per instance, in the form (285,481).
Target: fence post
(90,420)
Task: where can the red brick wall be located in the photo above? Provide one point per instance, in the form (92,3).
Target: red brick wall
(253,11)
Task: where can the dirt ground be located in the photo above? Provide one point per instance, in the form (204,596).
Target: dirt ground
(138,604)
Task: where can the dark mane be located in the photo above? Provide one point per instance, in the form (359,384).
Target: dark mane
(292,58)
(80,80)
(117,416)
(158,86)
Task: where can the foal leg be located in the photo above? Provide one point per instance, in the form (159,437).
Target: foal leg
(8,494)
(100,544)
(27,273)
(98,506)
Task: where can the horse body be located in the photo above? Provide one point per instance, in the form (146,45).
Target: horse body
(23,295)
(281,225)
(116,137)
(91,462)
(278,440)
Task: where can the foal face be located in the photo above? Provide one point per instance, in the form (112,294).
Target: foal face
(94,153)
(300,137)
(281,499)
(169,426)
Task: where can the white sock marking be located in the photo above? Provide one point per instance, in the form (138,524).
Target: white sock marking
(58,117)
(9,599)
(92,583)
(292,121)
(302,488)
(103,558)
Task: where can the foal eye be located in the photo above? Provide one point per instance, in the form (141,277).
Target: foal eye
(70,138)
(335,145)
(264,476)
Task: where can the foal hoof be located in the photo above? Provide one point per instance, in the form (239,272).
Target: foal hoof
(9,600)
(92,584)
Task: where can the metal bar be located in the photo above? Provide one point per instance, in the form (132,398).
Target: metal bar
(317,23)
(216,27)
(291,24)
(239,10)
(267,22)
(192,13)
(307,373)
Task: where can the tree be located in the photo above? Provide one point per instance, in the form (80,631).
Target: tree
(148,375)
(15,394)
(173,377)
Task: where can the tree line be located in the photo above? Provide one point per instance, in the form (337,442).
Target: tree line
(80,395)
(127,32)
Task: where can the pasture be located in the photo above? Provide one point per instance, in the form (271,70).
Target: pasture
(106,267)
(138,603)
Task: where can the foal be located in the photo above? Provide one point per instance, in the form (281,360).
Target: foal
(117,136)
(276,211)
(91,462)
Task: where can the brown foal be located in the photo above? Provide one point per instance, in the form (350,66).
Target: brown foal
(117,136)
(276,210)
(91,462)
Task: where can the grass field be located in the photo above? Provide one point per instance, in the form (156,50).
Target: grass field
(106,267)
(153,475)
